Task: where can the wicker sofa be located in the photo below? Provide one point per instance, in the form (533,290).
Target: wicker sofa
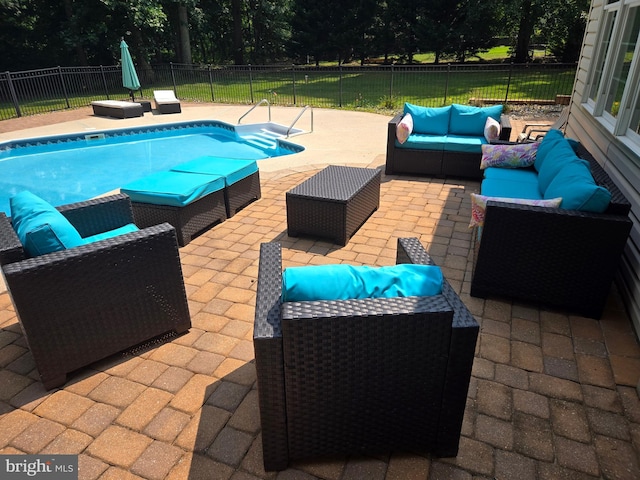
(455,155)
(83,304)
(552,256)
(360,376)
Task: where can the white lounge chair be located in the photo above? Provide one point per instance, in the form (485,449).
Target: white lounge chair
(166,101)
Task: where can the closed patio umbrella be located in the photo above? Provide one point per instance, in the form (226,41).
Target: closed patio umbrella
(129,75)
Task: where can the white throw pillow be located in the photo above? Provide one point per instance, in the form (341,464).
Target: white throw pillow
(404,128)
(491,129)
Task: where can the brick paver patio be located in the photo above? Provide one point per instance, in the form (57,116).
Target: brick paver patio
(553,396)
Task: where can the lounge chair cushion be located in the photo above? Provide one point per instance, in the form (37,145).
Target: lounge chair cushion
(40,227)
(508,156)
(130,227)
(479,205)
(232,169)
(430,120)
(346,282)
(175,189)
(469,120)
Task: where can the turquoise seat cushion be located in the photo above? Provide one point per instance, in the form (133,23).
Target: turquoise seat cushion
(509,188)
(346,282)
(430,120)
(464,143)
(175,189)
(424,141)
(526,175)
(40,227)
(579,191)
(232,169)
(130,227)
(468,120)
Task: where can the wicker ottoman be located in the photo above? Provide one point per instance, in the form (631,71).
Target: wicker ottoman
(334,203)
(191,202)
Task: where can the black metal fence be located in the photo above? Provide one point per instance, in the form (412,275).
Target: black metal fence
(368,87)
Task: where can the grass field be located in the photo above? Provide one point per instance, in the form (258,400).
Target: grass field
(371,88)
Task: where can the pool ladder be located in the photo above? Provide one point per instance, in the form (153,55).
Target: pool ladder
(295,120)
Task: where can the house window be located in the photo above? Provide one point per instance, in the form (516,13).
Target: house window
(613,89)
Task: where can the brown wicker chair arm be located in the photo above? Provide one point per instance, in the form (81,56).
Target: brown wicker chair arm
(505,127)
(11,249)
(99,215)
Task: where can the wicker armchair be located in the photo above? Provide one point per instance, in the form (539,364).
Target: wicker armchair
(550,256)
(360,376)
(83,304)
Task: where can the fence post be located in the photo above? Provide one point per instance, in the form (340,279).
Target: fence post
(293,74)
(213,98)
(446,84)
(173,77)
(250,83)
(506,95)
(14,97)
(64,88)
(340,99)
(104,82)
(391,86)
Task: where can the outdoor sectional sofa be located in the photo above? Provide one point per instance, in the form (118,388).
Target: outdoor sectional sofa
(444,141)
(564,256)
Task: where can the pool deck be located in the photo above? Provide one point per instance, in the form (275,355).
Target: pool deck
(552,396)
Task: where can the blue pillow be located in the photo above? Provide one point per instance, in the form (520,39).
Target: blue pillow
(40,227)
(346,282)
(431,120)
(579,191)
(468,120)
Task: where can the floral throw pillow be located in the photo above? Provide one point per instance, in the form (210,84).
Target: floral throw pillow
(479,205)
(509,156)
(491,129)
(404,128)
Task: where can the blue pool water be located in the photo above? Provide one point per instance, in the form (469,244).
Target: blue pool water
(66,169)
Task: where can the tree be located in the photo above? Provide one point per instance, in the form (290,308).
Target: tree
(563,27)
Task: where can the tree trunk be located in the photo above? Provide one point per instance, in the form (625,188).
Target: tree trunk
(183,35)
(80,52)
(236,13)
(525,30)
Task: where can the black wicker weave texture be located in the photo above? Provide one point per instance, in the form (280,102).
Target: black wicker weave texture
(360,376)
(80,305)
(334,203)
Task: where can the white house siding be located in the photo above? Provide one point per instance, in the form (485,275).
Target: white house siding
(621,162)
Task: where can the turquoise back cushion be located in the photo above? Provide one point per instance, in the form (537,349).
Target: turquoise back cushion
(579,191)
(431,120)
(40,227)
(552,156)
(346,282)
(468,120)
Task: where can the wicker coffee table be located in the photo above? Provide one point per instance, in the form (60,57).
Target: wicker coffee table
(334,203)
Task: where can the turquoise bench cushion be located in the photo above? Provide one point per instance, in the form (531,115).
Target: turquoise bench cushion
(509,188)
(579,191)
(430,120)
(232,169)
(175,189)
(345,282)
(464,144)
(130,227)
(512,174)
(424,141)
(468,120)
(40,227)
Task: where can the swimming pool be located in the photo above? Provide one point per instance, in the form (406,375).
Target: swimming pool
(71,168)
